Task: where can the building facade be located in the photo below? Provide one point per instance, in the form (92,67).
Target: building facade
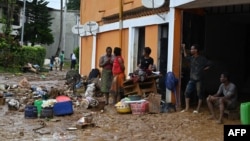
(132,25)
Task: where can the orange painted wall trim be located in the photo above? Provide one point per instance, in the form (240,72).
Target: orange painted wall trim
(177,56)
(86,52)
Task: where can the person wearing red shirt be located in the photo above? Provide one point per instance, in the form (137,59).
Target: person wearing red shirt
(118,75)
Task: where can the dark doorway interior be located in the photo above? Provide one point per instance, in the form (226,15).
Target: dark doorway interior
(224,34)
(163,52)
(163,58)
(193,33)
(141,43)
(227,43)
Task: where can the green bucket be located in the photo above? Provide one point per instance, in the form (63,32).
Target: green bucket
(245,113)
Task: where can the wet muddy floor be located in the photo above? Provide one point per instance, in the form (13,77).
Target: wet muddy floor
(108,125)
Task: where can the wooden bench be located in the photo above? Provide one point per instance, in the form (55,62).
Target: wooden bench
(141,87)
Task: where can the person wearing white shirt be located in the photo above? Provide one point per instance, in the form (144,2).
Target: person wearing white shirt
(73,61)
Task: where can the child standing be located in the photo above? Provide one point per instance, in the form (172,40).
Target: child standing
(52,59)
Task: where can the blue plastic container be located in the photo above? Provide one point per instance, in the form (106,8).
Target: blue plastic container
(47,112)
(30,111)
(63,108)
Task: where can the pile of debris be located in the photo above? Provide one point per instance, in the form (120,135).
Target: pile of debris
(81,92)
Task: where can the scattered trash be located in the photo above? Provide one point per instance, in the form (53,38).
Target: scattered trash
(42,125)
(84,121)
(54,120)
(24,83)
(2,101)
(43,77)
(90,91)
(30,111)
(72,128)
(13,104)
(8,94)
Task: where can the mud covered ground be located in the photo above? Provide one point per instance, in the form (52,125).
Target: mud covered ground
(108,125)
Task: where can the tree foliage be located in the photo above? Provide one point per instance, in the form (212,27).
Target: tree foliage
(73,4)
(38,21)
(8,8)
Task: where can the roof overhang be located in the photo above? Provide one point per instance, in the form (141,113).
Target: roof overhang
(187,4)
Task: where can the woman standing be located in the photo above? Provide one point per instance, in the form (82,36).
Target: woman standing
(106,63)
(118,75)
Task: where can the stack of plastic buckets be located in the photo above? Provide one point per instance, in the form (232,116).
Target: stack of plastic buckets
(245,113)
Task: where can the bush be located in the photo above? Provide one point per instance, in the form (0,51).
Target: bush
(14,56)
(76,51)
(8,49)
(33,55)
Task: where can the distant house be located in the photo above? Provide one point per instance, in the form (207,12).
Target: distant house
(16,19)
(69,42)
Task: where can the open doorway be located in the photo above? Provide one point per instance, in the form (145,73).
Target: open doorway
(192,33)
(224,35)
(141,42)
(163,50)
(163,58)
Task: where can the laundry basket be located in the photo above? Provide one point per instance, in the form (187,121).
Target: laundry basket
(139,107)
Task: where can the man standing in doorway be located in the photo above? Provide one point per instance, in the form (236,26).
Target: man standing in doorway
(198,65)
(61,56)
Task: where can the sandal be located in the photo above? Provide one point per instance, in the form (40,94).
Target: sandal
(195,112)
(183,111)
(211,118)
(219,122)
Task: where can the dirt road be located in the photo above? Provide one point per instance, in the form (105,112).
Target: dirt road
(109,125)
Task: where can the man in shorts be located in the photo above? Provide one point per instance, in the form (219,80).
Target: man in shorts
(225,98)
(198,65)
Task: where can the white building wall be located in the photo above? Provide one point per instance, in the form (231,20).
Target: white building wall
(71,40)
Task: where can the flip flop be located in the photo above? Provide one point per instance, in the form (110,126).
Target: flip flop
(219,122)
(211,118)
(195,112)
(183,111)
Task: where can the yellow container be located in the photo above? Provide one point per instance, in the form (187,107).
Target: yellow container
(122,108)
